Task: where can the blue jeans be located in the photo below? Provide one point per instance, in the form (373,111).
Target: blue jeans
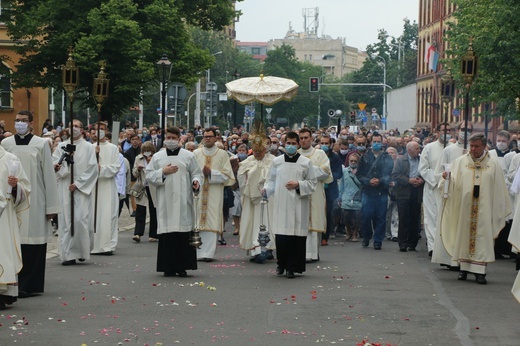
(373,217)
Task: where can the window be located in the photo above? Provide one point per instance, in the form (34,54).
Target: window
(255,51)
(5,86)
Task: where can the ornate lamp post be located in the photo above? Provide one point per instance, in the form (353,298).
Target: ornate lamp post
(447,95)
(164,69)
(70,81)
(468,72)
(100,95)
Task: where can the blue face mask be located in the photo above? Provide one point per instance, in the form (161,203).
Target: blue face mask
(377,146)
(325,148)
(361,148)
(351,146)
(291,149)
(242,156)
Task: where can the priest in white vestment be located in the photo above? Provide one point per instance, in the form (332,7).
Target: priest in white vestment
(317,201)
(514,235)
(176,175)
(449,155)
(106,235)
(431,172)
(14,199)
(217,171)
(475,210)
(35,227)
(77,246)
(291,181)
(251,176)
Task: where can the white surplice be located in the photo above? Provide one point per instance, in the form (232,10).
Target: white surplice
(470,222)
(36,160)
(431,172)
(85,177)
(10,208)
(317,201)
(290,207)
(251,176)
(211,197)
(449,155)
(106,235)
(174,194)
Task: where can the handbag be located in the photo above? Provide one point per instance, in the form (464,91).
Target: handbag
(138,188)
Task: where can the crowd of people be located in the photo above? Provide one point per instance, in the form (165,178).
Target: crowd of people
(288,193)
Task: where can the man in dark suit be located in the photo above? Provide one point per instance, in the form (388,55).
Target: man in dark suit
(156,140)
(408,192)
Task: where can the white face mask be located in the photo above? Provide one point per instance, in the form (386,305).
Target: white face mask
(502,146)
(76,132)
(147,153)
(171,144)
(21,128)
(154,136)
(101,134)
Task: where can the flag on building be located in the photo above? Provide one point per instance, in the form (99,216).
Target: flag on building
(431,57)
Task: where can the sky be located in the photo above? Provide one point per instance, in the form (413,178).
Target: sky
(357,21)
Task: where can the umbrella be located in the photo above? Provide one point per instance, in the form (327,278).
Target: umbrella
(265,90)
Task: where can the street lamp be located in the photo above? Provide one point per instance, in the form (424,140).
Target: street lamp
(384,87)
(164,70)
(468,72)
(447,94)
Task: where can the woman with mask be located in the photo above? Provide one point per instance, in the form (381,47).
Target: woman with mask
(350,198)
(236,210)
(147,199)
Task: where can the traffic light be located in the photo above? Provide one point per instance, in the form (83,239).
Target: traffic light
(314,84)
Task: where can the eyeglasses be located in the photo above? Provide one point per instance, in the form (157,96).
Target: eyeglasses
(208,137)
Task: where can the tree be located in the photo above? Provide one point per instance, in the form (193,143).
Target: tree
(130,36)
(492,28)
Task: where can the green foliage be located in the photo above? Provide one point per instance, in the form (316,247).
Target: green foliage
(130,36)
(492,27)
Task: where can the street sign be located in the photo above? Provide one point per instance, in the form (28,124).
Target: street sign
(362,106)
(455,112)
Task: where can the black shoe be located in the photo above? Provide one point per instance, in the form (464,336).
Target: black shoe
(133,214)
(208,260)
(279,271)
(107,253)
(365,243)
(377,246)
(463,275)
(182,273)
(68,263)
(169,274)
(260,259)
(394,239)
(222,241)
(23,294)
(411,248)
(480,279)
(290,275)
(402,248)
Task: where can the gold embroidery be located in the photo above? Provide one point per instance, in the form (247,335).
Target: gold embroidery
(205,196)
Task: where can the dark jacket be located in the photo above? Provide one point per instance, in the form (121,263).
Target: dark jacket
(400,176)
(130,155)
(382,171)
(336,168)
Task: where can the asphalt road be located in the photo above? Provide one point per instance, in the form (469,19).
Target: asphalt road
(351,296)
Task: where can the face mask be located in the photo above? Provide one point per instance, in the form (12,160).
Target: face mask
(343,151)
(242,156)
(154,136)
(21,127)
(64,138)
(377,146)
(391,133)
(234,147)
(147,153)
(448,137)
(502,146)
(325,148)
(462,136)
(291,149)
(314,135)
(278,136)
(273,148)
(171,144)
(333,132)
(361,148)
(351,146)
(76,132)
(140,135)
(353,165)
(344,136)
(101,134)
(145,133)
